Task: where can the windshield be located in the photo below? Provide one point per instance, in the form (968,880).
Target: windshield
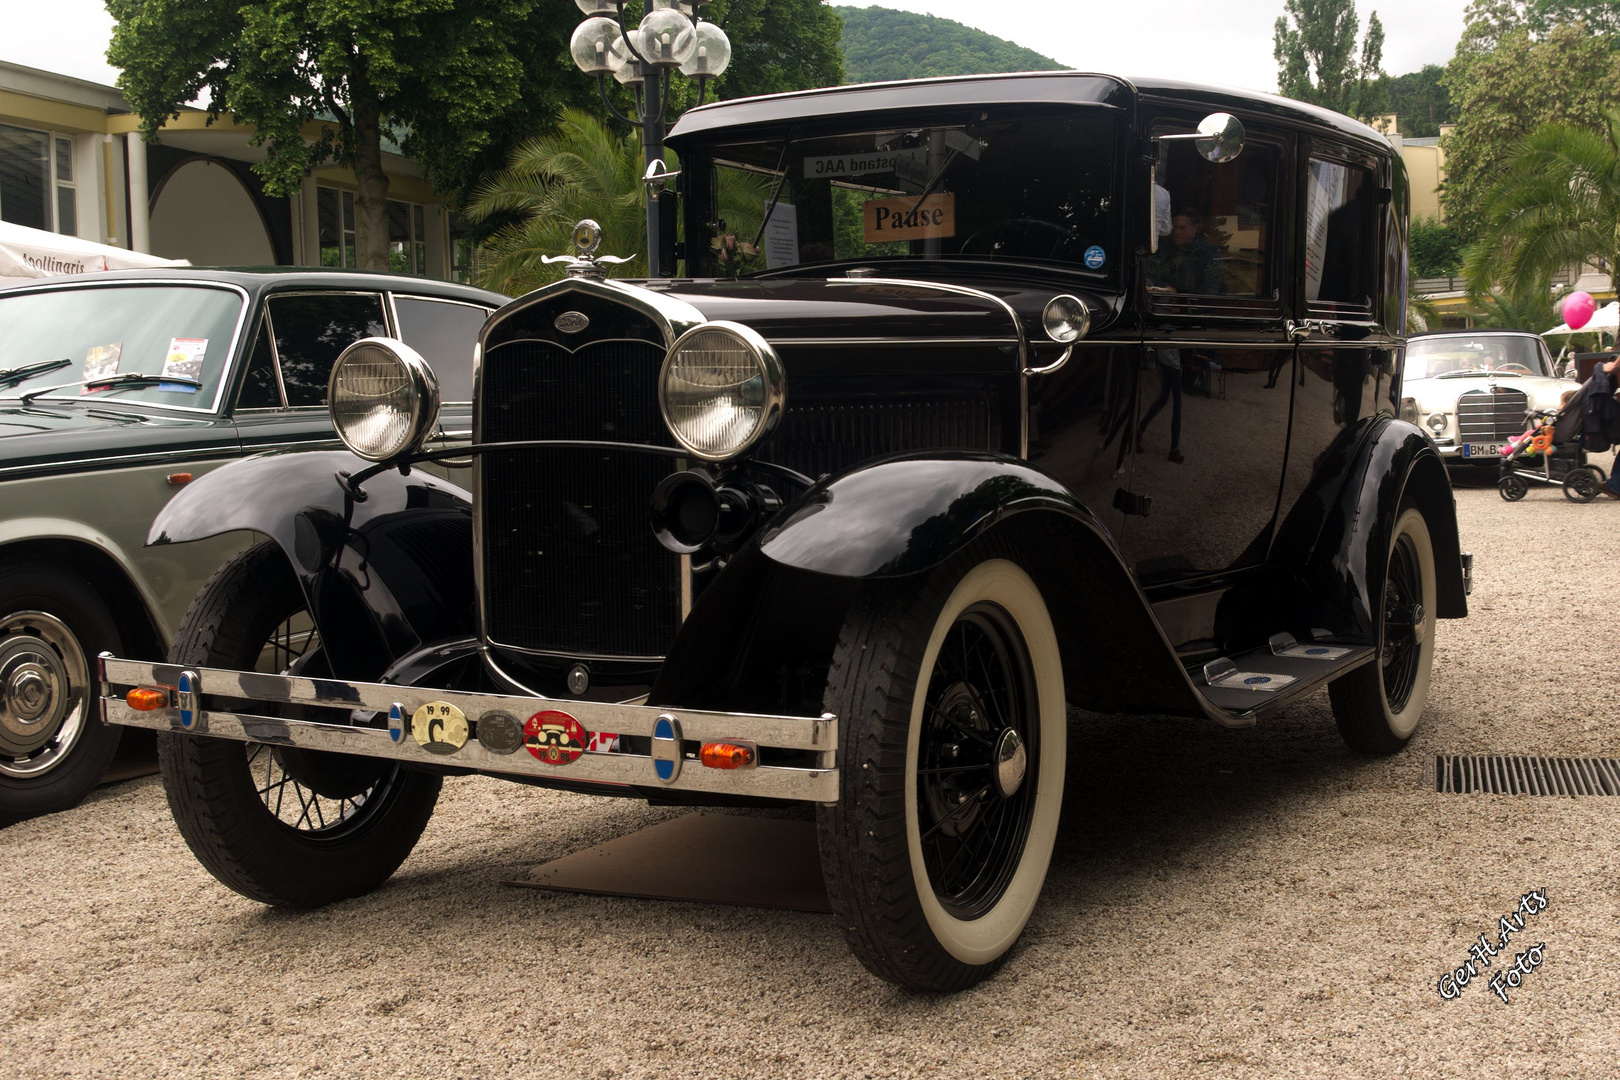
(1033,186)
(1461,356)
(178,333)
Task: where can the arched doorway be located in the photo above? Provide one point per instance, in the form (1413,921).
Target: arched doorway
(204,213)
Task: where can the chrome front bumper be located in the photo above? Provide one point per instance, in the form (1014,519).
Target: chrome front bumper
(672,765)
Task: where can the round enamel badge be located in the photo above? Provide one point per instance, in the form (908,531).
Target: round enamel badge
(554,737)
(439,727)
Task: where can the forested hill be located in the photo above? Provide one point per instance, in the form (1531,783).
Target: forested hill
(881,44)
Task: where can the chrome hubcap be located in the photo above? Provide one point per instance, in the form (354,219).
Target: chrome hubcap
(1011,760)
(44,682)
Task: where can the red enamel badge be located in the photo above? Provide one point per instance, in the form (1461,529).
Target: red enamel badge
(555,737)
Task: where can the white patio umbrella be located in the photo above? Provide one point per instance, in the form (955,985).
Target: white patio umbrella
(33,253)
(1605,319)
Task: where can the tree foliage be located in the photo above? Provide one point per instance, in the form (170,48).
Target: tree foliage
(1505,82)
(1436,249)
(1556,204)
(881,44)
(1318,61)
(1420,100)
(446,78)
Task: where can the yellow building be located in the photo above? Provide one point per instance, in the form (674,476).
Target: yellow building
(72,161)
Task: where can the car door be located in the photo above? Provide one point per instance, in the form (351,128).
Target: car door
(445,332)
(1212,396)
(281,402)
(1349,337)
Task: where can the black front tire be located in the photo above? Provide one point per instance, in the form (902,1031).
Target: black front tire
(1512,488)
(53,746)
(934,857)
(322,827)
(1377,706)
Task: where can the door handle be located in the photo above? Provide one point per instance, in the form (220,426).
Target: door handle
(1299,331)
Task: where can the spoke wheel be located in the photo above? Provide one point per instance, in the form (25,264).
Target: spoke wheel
(949,694)
(1378,705)
(285,826)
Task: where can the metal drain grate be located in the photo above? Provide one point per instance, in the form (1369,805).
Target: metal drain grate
(1509,774)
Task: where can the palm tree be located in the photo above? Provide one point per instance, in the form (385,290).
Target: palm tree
(1505,311)
(1557,204)
(582,170)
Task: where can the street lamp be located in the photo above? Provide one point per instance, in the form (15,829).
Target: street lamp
(672,37)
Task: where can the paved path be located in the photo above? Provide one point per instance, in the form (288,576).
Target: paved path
(1254,903)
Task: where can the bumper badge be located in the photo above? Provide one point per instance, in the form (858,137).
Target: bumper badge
(555,737)
(666,748)
(396,721)
(500,732)
(439,727)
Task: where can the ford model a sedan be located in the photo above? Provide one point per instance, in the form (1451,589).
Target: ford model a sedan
(984,396)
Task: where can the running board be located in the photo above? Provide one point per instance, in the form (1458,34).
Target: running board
(1250,684)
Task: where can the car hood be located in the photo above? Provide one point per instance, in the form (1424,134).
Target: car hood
(1440,395)
(71,436)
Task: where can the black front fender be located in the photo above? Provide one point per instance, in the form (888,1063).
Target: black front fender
(383,575)
(760,637)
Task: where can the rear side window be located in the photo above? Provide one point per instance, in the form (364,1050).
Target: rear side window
(1216,223)
(444,332)
(312,329)
(1341,236)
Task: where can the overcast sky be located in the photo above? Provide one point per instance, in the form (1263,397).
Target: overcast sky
(1216,41)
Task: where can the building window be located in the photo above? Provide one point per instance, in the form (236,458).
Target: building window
(463,251)
(25,187)
(67,205)
(407,232)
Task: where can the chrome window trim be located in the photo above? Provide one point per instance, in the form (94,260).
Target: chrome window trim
(230,353)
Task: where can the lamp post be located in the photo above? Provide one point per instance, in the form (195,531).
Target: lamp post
(672,36)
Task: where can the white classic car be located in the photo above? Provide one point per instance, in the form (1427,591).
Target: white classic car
(1471,389)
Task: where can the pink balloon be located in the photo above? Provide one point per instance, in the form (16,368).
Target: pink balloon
(1578,309)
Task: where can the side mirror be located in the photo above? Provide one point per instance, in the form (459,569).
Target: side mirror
(1220,137)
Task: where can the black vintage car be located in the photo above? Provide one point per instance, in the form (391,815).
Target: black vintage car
(116,391)
(983,396)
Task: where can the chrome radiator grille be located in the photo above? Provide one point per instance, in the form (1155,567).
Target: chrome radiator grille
(570,564)
(1491,415)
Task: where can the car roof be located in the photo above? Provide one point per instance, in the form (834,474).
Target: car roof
(1050,87)
(259,279)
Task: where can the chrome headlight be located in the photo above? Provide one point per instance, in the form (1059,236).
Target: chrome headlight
(1437,422)
(1066,319)
(384,398)
(721,390)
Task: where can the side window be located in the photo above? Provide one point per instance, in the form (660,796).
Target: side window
(1341,236)
(259,388)
(444,333)
(312,329)
(1216,223)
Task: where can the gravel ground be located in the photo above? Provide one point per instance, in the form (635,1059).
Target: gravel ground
(1250,903)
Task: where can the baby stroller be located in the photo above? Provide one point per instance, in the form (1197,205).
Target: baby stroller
(1552,450)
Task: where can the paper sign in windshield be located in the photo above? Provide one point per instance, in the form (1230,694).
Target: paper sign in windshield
(185,361)
(782,237)
(908,219)
(101,361)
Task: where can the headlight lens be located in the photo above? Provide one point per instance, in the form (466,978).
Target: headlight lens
(1066,319)
(1409,410)
(1437,422)
(721,390)
(384,398)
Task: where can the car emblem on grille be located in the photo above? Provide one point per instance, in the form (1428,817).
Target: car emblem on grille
(571,322)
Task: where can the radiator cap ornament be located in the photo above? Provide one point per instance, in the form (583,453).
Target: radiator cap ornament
(585,263)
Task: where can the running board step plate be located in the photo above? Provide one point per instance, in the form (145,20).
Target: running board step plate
(1261,680)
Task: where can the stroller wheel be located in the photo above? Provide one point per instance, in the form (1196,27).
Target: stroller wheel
(1513,488)
(1581,485)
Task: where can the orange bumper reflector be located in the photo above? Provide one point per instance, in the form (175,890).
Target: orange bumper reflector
(148,698)
(725,755)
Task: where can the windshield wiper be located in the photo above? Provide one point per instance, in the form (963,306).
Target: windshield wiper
(13,376)
(1476,371)
(118,382)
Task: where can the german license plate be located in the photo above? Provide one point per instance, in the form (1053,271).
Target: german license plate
(1481,449)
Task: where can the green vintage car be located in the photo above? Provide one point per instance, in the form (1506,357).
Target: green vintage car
(115,393)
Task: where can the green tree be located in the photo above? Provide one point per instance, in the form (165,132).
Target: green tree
(1420,100)
(1556,204)
(1314,42)
(1600,16)
(1436,249)
(1505,83)
(443,77)
(880,44)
